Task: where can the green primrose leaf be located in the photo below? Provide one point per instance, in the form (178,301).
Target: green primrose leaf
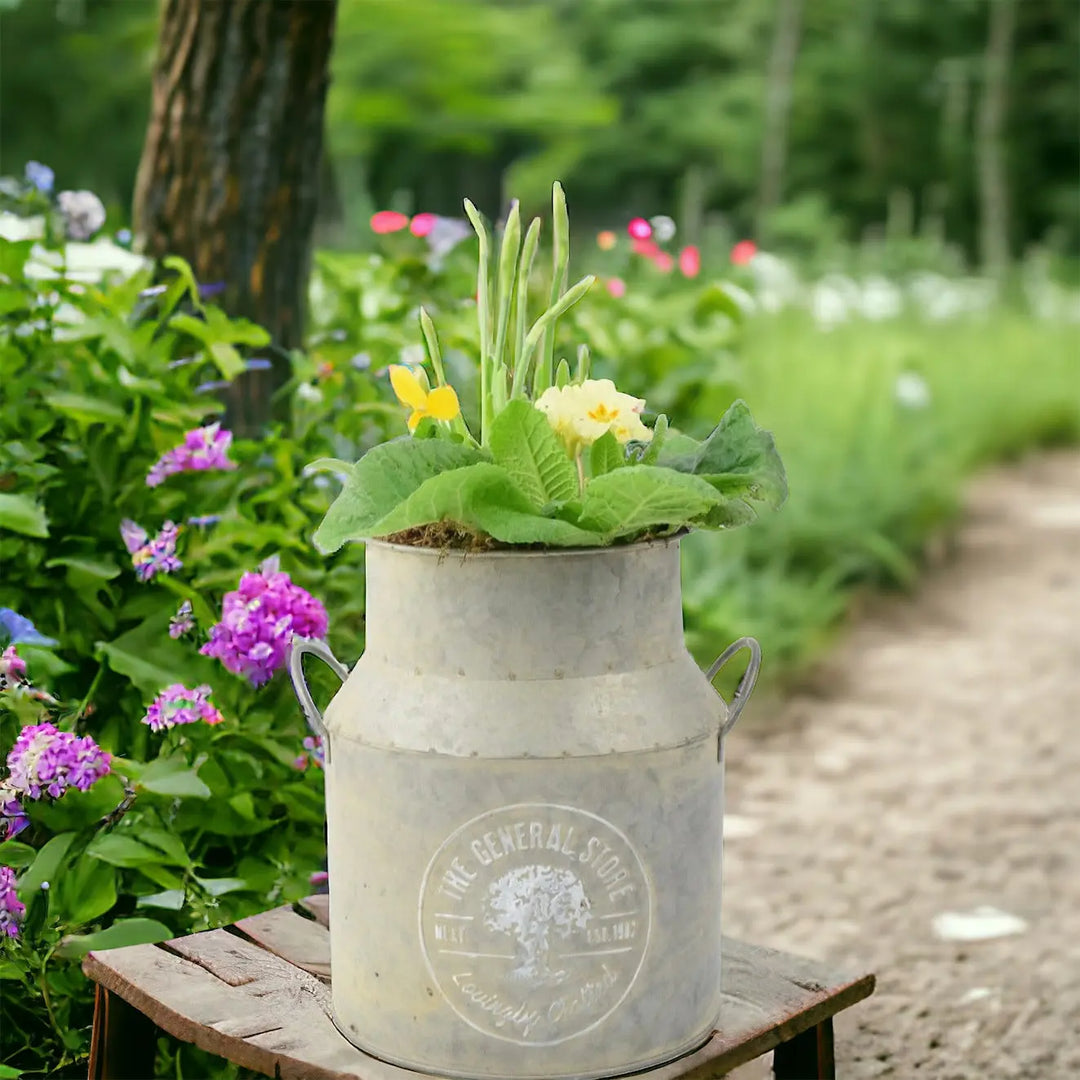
(381,480)
(740,460)
(483,498)
(656,444)
(606,454)
(639,497)
(524,444)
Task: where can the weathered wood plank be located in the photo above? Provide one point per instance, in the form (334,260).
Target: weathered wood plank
(302,942)
(259,1002)
(277,1023)
(769,998)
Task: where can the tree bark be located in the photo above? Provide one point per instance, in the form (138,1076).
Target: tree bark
(785,49)
(230,170)
(990,136)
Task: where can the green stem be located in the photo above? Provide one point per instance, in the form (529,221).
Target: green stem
(483,302)
(540,327)
(434,352)
(43,983)
(90,693)
(582,372)
(545,365)
(528,253)
(508,260)
(580,473)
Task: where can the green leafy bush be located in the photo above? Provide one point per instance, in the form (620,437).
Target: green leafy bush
(195,825)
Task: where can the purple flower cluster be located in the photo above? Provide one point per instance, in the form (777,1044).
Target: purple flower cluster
(176,704)
(315,755)
(47,761)
(150,557)
(181,623)
(12,909)
(203,448)
(258,620)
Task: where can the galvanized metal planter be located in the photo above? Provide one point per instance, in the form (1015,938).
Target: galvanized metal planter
(525,804)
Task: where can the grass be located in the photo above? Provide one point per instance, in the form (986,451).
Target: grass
(872,479)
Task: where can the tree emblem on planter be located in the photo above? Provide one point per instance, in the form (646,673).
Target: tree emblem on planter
(532,904)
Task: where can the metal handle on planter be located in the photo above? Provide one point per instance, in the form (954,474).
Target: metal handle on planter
(297,649)
(746,683)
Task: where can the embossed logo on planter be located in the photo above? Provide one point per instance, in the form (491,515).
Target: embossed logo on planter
(534,921)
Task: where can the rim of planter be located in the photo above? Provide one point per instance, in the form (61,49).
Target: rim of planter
(523,552)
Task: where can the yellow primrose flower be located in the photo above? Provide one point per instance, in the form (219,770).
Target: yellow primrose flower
(440,403)
(580,414)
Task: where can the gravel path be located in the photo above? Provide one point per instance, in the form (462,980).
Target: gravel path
(935,769)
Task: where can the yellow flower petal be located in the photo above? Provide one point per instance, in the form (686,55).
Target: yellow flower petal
(415,417)
(442,403)
(407,387)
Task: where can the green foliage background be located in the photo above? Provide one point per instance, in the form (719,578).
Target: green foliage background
(638,106)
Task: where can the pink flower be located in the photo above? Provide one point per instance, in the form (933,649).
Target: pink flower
(664,262)
(616,287)
(606,240)
(422,224)
(12,666)
(388,221)
(647,248)
(690,261)
(176,704)
(259,618)
(315,755)
(639,229)
(743,252)
(203,448)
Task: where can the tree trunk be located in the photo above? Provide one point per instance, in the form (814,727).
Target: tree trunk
(990,140)
(785,49)
(230,170)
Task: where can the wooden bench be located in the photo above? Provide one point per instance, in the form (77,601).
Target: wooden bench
(258,993)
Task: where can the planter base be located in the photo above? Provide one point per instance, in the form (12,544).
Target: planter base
(640,1068)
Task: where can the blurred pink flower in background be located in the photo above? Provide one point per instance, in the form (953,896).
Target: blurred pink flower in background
(606,240)
(616,287)
(388,221)
(743,252)
(422,224)
(648,248)
(690,261)
(639,229)
(664,262)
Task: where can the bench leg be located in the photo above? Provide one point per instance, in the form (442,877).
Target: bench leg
(123,1041)
(808,1056)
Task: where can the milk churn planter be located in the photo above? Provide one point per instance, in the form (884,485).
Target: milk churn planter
(525,767)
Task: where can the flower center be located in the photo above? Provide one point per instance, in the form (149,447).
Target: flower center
(602,414)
